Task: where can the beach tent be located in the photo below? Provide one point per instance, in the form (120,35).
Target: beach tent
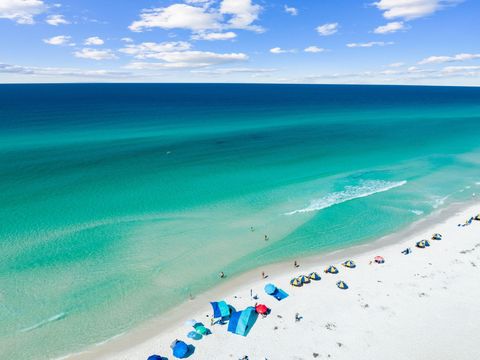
(407,251)
(314,276)
(342,285)
(155,357)
(261,309)
(296,282)
(379,259)
(242,321)
(332,270)
(350,264)
(277,293)
(220,309)
(437,236)
(304,279)
(180,349)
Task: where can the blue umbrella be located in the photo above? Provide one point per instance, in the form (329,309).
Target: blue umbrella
(180,349)
(155,357)
(194,335)
(270,289)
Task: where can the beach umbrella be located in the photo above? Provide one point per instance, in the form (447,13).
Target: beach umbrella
(261,309)
(477,217)
(342,285)
(200,328)
(350,264)
(304,279)
(314,276)
(296,282)
(180,349)
(437,236)
(423,244)
(194,335)
(379,259)
(270,289)
(155,357)
(332,270)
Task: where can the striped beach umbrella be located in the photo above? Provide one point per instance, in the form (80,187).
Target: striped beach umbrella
(332,270)
(296,282)
(437,236)
(314,276)
(342,285)
(349,264)
(304,279)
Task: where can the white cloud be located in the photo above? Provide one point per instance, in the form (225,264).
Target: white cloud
(56,20)
(228,71)
(444,59)
(21,11)
(53,71)
(214,36)
(290,10)
(127,40)
(94,40)
(95,54)
(411,9)
(313,49)
(59,40)
(243,13)
(201,16)
(396,64)
(389,28)
(277,50)
(176,55)
(472,70)
(177,16)
(369,44)
(150,49)
(327,29)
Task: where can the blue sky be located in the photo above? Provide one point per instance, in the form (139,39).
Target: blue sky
(309,41)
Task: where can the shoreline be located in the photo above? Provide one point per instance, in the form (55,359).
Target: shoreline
(145,334)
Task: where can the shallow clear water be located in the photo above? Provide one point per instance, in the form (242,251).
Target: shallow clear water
(118,201)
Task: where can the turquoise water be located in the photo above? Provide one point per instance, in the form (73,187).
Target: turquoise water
(118,201)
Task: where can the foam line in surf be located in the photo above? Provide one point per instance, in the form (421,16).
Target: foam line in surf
(45,322)
(366,188)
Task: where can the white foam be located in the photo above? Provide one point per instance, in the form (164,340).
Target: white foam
(416,212)
(45,322)
(439,201)
(366,188)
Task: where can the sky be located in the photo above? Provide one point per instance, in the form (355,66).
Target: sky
(420,42)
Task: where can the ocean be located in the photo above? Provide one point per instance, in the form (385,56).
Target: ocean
(119,201)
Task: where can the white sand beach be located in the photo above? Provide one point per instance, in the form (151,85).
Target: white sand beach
(418,306)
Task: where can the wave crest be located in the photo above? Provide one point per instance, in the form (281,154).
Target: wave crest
(366,188)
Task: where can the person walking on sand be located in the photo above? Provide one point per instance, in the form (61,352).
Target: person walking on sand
(264,276)
(295,264)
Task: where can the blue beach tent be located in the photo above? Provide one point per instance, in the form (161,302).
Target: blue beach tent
(220,309)
(242,321)
(180,349)
(155,357)
(277,293)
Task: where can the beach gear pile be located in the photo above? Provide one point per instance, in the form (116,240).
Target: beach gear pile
(379,259)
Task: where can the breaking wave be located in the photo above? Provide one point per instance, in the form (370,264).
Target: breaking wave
(366,188)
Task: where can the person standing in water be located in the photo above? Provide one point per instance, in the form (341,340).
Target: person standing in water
(266,237)
(222,274)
